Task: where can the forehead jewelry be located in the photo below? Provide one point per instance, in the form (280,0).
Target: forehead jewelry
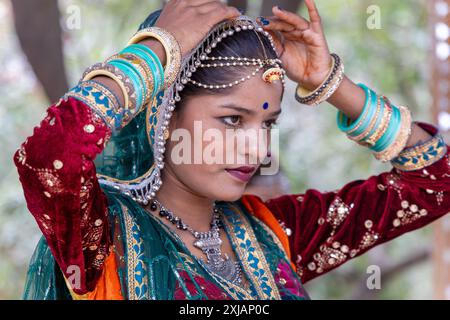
(271,75)
(274,73)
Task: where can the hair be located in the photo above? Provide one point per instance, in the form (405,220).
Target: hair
(246,43)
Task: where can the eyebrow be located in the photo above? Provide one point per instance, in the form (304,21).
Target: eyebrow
(247,111)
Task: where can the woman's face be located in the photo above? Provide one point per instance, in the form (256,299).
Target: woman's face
(213,134)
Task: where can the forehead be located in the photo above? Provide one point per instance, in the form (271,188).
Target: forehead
(253,93)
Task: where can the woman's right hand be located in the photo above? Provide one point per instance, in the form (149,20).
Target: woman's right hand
(189,21)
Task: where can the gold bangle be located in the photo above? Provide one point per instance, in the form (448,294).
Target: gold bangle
(329,86)
(171,46)
(142,68)
(304,93)
(332,87)
(365,133)
(102,72)
(401,139)
(382,127)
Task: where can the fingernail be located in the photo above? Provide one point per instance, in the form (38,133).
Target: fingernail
(264,21)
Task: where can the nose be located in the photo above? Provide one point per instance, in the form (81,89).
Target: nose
(255,147)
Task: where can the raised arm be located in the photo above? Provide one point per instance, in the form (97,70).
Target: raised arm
(56,164)
(58,176)
(330,228)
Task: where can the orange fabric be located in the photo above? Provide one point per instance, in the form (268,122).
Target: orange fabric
(108,285)
(257,208)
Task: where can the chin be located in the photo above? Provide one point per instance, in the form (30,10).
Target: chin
(230,190)
(230,197)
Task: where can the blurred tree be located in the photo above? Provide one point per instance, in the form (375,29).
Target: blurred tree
(38,29)
(439,16)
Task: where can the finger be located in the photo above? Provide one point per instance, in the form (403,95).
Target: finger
(313,13)
(218,9)
(292,18)
(307,37)
(196,2)
(274,23)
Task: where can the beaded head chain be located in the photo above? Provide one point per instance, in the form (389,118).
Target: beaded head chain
(160,110)
(272,74)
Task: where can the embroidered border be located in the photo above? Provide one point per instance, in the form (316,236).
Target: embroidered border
(136,271)
(250,253)
(421,156)
(102,101)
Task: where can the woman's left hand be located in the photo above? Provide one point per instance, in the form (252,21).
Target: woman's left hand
(301,43)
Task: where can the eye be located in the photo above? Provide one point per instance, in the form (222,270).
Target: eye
(269,124)
(233,121)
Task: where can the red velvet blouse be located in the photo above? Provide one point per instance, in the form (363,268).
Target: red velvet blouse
(58,176)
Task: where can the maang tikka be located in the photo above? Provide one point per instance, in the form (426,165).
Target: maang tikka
(274,73)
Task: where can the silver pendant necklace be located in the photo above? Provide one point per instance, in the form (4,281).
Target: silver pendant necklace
(209,242)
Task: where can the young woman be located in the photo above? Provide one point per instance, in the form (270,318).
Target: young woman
(123,218)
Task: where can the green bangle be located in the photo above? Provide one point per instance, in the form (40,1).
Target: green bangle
(364,119)
(152,62)
(154,58)
(389,136)
(134,75)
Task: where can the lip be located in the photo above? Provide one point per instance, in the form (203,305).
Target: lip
(242,173)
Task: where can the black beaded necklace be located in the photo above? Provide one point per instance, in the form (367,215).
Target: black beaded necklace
(209,242)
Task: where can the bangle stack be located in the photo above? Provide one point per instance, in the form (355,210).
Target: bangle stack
(327,88)
(381,126)
(138,70)
(171,47)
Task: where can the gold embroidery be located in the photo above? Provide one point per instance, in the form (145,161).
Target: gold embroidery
(22,155)
(408,214)
(50,181)
(286,230)
(298,265)
(440,197)
(337,212)
(393,182)
(246,228)
(368,240)
(46,223)
(89,128)
(58,164)
(100,257)
(328,258)
(85,204)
